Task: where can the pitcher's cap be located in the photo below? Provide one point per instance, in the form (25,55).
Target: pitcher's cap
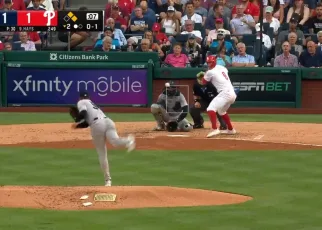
(83,94)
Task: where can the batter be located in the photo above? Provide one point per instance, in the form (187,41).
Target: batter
(218,76)
(102,128)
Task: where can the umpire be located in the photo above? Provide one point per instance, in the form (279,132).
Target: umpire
(203,95)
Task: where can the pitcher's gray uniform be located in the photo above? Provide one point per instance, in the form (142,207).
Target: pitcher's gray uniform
(171,106)
(102,128)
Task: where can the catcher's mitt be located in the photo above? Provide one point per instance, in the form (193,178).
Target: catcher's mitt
(73,112)
(172,126)
(200,76)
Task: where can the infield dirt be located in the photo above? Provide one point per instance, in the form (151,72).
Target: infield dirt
(251,136)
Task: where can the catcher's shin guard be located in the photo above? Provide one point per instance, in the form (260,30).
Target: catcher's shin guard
(157,114)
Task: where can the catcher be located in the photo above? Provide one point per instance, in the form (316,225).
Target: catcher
(203,95)
(170,110)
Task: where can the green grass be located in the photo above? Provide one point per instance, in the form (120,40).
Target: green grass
(286,187)
(30,118)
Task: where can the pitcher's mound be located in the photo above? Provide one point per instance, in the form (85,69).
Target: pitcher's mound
(68,198)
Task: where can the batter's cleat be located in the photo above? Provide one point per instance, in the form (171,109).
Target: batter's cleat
(131,145)
(222,128)
(198,126)
(213,133)
(229,132)
(108,183)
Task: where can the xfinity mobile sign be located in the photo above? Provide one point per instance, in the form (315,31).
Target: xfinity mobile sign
(262,86)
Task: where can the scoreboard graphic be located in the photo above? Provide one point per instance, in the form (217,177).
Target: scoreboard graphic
(17,21)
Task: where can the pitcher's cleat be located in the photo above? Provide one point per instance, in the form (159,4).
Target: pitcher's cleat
(131,145)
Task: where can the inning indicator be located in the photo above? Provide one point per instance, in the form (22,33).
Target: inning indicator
(81,20)
(51,21)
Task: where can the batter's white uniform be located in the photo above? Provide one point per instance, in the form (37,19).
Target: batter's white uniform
(103,128)
(218,76)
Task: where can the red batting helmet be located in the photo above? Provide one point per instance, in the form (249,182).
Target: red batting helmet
(211,61)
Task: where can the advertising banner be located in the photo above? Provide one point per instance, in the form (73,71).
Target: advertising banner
(31,86)
(265,87)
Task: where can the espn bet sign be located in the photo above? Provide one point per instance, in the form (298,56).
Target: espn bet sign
(262,86)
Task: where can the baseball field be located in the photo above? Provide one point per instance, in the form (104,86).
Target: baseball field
(268,176)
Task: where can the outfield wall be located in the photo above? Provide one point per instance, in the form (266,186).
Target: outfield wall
(132,81)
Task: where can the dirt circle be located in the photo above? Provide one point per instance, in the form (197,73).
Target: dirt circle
(68,198)
(251,136)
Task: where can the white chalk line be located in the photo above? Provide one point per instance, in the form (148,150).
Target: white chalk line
(258,137)
(241,139)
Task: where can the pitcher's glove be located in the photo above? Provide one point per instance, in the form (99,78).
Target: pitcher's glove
(172,126)
(73,112)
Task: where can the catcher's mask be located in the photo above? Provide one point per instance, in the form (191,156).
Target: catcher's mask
(171,89)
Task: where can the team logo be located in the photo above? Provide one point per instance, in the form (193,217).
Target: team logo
(53,57)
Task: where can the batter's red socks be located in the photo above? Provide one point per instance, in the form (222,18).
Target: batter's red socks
(226,118)
(213,119)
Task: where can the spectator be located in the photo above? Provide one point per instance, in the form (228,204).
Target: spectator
(36,5)
(190,14)
(145,46)
(198,9)
(12,5)
(117,33)
(153,43)
(221,41)
(218,13)
(286,59)
(160,36)
(222,58)
(319,35)
(299,9)
(189,29)
(212,35)
(139,23)
(125,8)
(227,11)
(170,23)
(116,15)
(106,45)
(315,23)
(108,32)
(147,13)
(34,37)
(7,46)
(177,59)
(132,43)
(266,39)
(278,9)
(242,23)
(25,43)
(194,50)
(273,22)
(248,8)
(243,59)
(207,4)
(292,39)
(292,28)
(311,58)
(164,8)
